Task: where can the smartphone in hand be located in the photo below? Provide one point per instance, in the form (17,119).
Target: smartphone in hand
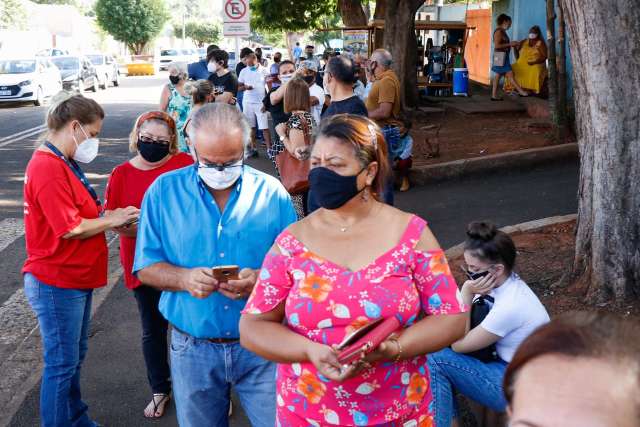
(224,273)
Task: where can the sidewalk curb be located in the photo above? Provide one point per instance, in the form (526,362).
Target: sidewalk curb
(457,250)
(514,159)
(22,370)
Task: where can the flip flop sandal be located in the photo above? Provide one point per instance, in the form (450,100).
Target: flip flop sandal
(156,405)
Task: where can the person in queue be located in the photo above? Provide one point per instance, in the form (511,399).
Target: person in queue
(295,135)
(273,82)
(261,60)
(225,83)
(252,82)
(242,64)
(502,43)
(383,104)
(274,102)
(581,369)
(490,257)
(308,71)
(297,52)
(195,220)
(354,260)
(530,70)
(339,80)
(154,139)
(202,94)
(203,68)
(176,101)
(66,251)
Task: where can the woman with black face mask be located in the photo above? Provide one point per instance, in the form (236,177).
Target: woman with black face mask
(176,100)
(351,262)
(154,140)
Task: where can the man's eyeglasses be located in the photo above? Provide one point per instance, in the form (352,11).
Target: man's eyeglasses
(148,140)
(222,166)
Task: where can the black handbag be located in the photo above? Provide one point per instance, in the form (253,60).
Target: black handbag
(479,310)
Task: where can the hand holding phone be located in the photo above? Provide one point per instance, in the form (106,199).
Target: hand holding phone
(224,273)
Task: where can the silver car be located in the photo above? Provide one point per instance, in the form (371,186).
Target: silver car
(106,69)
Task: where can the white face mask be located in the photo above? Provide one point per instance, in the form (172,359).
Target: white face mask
(221,180)
(533,36)
(86,151)
(285,78)
(211,67)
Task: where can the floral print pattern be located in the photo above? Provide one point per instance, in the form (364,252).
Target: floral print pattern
(324,302)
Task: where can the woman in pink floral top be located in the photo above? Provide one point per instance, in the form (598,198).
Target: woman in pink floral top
(321,279)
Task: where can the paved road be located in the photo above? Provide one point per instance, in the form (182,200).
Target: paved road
(114,382)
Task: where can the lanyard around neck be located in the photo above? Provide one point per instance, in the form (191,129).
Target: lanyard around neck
(77,172)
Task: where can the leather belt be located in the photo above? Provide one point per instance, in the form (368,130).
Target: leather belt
(211,340)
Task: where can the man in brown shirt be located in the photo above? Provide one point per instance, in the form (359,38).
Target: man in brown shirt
(383,102)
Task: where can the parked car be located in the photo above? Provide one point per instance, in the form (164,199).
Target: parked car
(107,69)
(232,61)
(168,56)
(28,79)
(53,52)
(77,73)
(202,53)
(267,51)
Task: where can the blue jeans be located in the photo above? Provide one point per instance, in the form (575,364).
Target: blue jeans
(203,373)
(63,316)
(476,380)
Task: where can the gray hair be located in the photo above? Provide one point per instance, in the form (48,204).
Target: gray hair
(217,116)
(181,68)
(382,57)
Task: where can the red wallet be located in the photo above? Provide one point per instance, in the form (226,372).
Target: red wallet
(366,339)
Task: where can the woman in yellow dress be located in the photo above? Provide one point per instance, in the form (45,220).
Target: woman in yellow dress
(530,69)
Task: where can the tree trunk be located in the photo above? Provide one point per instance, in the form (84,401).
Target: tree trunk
(606,73)
(553,66)
(378,33)
(562,77)
(400,40)
(352,13)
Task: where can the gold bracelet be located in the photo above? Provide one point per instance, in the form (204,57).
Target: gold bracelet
(399,355)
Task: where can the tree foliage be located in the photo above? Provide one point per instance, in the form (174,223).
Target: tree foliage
(133,22)
(200,32)
(287,15)
(12,15)
(324,37)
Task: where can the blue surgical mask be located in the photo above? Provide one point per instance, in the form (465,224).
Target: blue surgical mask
(332,190)
(253,67)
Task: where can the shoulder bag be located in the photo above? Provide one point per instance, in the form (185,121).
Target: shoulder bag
(294,173)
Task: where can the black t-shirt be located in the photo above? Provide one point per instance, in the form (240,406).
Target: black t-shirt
(226,83)
(353,105)
(239,66)
(277,111)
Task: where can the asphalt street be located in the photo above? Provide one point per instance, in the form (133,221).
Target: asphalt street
(114,381)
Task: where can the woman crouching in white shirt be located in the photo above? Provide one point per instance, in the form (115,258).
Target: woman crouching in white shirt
(515,313)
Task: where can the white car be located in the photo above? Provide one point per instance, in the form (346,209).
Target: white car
(28,79)
(106,68)
(167,56)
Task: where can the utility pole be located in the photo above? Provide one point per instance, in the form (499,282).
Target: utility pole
(184,17)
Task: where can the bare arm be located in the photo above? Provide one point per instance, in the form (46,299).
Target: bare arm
(497,41)
(164,98)
(225,98)
(90,227)
(265,335)
(277,96)
(382,112)
(199,282)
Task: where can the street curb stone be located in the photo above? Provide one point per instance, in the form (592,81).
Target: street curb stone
(457,250)
(423,175)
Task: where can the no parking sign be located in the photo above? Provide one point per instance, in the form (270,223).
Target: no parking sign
(235,16)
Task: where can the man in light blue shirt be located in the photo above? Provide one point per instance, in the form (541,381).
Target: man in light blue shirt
(218,212)
(297,52)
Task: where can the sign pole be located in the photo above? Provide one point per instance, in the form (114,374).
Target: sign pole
(237,50)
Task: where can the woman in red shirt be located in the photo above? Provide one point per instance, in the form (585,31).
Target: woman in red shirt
(66,251)
(154,139)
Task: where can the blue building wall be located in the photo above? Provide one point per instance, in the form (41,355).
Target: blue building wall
(525,14)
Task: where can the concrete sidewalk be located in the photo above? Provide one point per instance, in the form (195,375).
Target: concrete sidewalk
(114,381)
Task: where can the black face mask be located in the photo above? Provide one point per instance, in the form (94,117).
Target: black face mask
(310,79)
(152,152)
(476,276)
(331,190)
(174,79)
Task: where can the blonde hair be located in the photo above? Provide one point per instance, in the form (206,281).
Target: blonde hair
(66,107)
(199,90)
(181,68)
(159,117)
